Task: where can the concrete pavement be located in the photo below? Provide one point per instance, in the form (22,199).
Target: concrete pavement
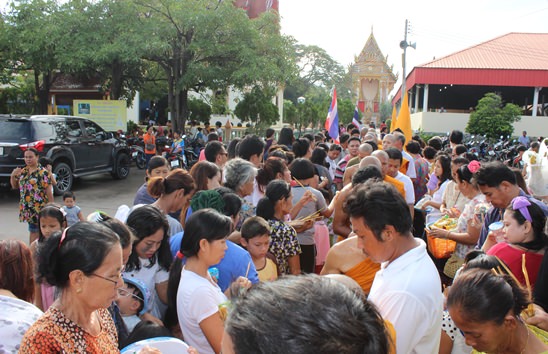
(99,192)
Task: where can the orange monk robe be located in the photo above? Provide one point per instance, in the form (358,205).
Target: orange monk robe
(404,165)
(398,184)
(364,273)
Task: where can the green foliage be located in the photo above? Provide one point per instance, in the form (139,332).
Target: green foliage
(33,29)
(131,127)
(203,44)
(257,107)
(218,102)
(107,47)
(492,118)
(386,110)
(18,97)
(199,110)
(345,108)
(290,112)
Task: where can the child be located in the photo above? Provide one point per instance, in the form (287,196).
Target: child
(256,239)
(51,219)
(73,211)
(132,300)
(47,164)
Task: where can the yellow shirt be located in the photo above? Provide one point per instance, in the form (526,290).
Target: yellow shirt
(269,272)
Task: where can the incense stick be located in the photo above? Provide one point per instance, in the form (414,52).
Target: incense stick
(247,271)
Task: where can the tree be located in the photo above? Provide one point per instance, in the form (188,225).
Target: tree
(316,68)
(492,118)
(203,44)
(257,108)
(386,110)
(33,29)
(107,45)
(199,110)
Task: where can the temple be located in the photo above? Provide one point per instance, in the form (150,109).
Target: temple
(372,78)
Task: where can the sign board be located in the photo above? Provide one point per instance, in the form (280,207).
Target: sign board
(110,115)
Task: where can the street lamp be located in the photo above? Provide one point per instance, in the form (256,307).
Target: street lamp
(300,101)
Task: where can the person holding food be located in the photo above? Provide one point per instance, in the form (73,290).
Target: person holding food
(284,245)
(465,232)
(442,170)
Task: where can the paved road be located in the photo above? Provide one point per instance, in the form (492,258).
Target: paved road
(99,192)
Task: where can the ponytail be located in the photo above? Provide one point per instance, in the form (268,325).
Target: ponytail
(265,209)
(275,191)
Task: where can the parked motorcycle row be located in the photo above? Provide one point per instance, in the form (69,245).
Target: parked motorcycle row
(505,149)
(184,160)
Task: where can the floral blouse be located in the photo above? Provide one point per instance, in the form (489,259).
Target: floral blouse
(283,244)
(462,224)
(32,193)
(55,333)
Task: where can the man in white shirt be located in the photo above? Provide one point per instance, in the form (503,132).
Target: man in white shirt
(394,163)
(407,288)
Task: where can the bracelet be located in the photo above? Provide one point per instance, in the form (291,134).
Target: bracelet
(447,234)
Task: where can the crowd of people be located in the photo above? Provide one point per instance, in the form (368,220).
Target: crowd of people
(282,244)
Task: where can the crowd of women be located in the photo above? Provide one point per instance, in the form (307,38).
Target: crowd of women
(217,256)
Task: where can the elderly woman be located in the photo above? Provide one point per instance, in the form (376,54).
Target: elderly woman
(17,313)
(85,264)
(240,176)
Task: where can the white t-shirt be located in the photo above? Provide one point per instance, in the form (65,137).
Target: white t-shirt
(150,277)
(435,214)
(408,187)
(131,322)
(411,172)
(197,299)
(407,292)
(16,316)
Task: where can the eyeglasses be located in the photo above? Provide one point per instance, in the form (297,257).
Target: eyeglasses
(126,293)
(115,282)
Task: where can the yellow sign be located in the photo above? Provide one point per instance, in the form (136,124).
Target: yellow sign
(110,115)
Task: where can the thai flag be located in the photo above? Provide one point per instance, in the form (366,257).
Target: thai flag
(332,120)
(356,117)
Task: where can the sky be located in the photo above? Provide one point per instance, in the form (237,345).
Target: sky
(438,27)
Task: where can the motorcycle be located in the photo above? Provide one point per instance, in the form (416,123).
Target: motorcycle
(138,155)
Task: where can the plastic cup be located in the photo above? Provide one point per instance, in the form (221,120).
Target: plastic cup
(497,229)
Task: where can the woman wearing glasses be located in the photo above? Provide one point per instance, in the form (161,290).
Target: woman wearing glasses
(85,264)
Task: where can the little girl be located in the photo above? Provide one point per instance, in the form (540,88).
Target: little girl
(51,219)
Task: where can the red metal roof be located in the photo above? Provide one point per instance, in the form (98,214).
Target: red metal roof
(522,51)
(514,59)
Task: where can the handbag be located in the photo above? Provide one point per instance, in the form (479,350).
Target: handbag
(149,147)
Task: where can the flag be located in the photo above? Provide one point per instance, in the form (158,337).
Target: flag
(404,119)
(394,122)
(356,117)
(332,119)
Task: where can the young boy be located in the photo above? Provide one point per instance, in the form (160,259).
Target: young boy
(73,211)
(256,239)
(133,301)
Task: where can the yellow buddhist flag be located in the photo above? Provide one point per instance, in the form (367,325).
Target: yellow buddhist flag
(394,122)
(404,119)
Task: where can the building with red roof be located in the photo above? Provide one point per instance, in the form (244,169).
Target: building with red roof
(514,65)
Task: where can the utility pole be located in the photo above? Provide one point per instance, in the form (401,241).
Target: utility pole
(403,45)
